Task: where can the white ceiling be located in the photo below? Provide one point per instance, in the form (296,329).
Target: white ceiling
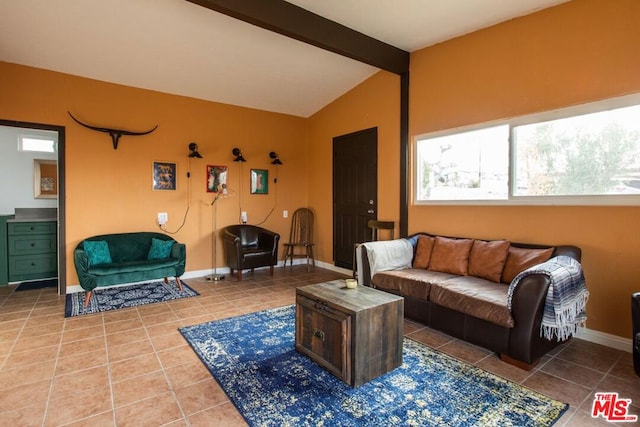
(177,47)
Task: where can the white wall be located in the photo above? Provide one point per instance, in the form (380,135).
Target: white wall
(16,171)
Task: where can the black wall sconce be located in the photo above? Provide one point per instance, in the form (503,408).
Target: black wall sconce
(239,158)
(275,157)
(193,151)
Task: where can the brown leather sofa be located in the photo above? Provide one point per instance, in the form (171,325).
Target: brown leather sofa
(249,247)
(469,307)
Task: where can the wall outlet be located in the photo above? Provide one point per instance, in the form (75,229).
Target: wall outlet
(243,217)
(285,214)
(163,217)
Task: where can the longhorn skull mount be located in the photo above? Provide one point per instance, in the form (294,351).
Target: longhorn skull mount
(114,133)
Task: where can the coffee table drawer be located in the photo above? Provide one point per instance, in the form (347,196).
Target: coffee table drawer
(323,334)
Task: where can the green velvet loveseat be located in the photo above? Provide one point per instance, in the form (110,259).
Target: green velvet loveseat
(112,259)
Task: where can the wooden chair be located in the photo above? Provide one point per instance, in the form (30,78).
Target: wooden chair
(375,226)
(300,244)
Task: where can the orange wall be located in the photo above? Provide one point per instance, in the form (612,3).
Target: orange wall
(578,52)
(374,103)
(111,190)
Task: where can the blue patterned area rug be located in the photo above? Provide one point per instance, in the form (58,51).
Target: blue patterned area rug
(253,359)
(126,296)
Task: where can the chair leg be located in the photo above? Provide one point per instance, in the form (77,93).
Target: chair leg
(271,269)
(87,298)
(179,283)
(239,275)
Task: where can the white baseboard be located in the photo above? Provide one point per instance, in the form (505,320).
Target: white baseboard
(605,339)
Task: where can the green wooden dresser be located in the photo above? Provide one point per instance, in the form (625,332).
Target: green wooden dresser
(28,246)
(32,250)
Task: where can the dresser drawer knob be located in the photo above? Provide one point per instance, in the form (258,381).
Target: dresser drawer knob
(33,264)
(318,334)
(33,244)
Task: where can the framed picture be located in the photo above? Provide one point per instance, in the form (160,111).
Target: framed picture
(45,179)
(216,179)
(164,175)
(259,181)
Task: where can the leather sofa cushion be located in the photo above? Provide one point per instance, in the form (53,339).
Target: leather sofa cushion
(487,259)
(451,255)
(414,282)
(423,252)
(477,297)
(519,259)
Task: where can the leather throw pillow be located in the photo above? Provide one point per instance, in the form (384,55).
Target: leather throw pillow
(450,255)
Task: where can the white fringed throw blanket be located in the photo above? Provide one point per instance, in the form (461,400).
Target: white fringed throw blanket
(564,307)
(389,255)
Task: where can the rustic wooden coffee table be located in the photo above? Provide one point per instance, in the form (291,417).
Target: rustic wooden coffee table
(356,334)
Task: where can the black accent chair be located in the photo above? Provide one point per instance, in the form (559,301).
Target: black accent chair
(635,317)
(249,246)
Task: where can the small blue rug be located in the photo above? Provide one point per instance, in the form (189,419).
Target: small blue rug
(105,299)
(253,359)
(37,284)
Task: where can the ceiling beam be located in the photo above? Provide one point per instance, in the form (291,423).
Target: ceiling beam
(293,21)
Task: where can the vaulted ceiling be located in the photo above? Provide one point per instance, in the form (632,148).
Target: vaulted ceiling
(178,47)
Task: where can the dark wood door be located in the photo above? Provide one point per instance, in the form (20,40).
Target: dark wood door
(355,191)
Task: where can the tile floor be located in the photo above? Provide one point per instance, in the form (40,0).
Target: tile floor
(132,366)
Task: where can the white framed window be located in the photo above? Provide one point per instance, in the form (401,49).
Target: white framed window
(37,143)
(585,155)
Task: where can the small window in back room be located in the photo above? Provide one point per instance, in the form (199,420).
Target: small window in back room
(37,143)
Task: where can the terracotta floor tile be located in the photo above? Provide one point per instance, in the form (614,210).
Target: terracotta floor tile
(83,346)
(29,357)
(28,416)
(39,331)
(80,362)
(123,325)
(86,321)
(164,328)
(571,372)
(125,337)
(156,319)
(120,315)
(27,374)
(85,380)
(164,342)
(465,351)
(75,406)
(224,415)
(153,309)
(105,419)
(200,396)
(186,374)
(133,367)
(27,343)
(177,356)
(82,334)
(23,395)
(159,410)
(139,388)
(129,350)
(557,388)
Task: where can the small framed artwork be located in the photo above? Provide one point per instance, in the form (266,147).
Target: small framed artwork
(45,179)
(259,181)
(164,175)
(216,179)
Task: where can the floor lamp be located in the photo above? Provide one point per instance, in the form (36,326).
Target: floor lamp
(215,276)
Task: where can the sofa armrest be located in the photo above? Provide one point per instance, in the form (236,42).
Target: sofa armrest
(269,240)
(527,308)
(81,262)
